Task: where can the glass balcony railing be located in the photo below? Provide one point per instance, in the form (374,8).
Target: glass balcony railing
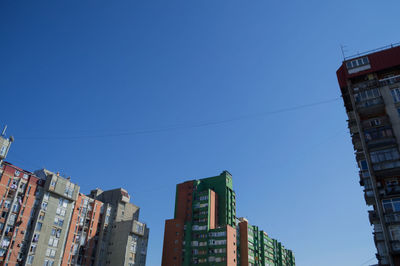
(369,102)
(386,165)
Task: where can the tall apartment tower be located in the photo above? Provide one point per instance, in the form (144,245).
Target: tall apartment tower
(84,229)
(18,190)
(370,86)
(5,144)
(205,229)
(257,248)
(55,207)
(46,221)
(122,238)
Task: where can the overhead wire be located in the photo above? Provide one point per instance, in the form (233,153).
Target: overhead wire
(175,127)
(182,126)
(367,261)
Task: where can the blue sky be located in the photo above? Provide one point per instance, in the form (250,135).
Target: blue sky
(112,93)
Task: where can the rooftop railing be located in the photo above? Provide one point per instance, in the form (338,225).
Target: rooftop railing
(372,51)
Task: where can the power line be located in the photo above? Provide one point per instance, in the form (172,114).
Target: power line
(182,126)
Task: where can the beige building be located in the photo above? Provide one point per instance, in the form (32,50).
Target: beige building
(123,239)
(45,221)
(54,208)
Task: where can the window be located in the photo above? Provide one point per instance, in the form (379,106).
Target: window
(384,155)
(69,190)
(12,218)
(396,94)
(46,196)
(378,133)
(39,226)
(35,238)
(58,221)
(33,248)
(7,204)
(48,262)
(44,206)
(30,259)
(391,205)
(375,122)
(15,207)
(133,244)
(3,150)
(56,232)
(357,62)
(60,211)
(63,203)
(53,241)
(363,165)
(394,232)
(367,95)
(50,252)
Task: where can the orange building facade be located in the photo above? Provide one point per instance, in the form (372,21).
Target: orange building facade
(81,244)
(17,192)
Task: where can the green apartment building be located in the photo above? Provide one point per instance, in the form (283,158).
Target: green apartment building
(257,248)
(206,231)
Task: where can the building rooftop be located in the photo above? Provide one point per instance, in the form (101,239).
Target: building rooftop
(377,60)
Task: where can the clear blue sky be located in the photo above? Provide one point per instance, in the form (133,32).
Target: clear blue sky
(70,70)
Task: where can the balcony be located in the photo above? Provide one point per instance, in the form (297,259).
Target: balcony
(389,81)
(371,106)
(392,217)
(353,129)
(396,246)
(138,228)
(386,165)
(392,190)
(357,142)
(373,217)
(379,136)
(383,142)
(369,197)
(11,193)
(378,236)
(351,116)
(366,85)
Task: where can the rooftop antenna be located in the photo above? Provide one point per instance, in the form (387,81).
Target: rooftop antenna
(4,131)
(343,49)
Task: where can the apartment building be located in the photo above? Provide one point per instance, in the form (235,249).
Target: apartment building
(18,190)
(56,200)
(45,220)
(370,87)
(84,229)
(5,144)
(255,247)
(205,229)
(123,238)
